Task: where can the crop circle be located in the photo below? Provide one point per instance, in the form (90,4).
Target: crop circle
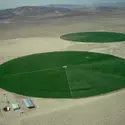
(97,37)
(68,74)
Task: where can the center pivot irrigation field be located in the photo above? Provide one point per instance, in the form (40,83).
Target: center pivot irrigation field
(63,74)
(99,37)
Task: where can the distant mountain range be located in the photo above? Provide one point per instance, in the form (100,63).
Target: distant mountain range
(56,11)
(32,11)
(65,6)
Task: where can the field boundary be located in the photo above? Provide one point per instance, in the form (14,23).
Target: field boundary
(68,82)
(31,72)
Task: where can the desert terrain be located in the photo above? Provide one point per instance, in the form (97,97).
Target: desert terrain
(20,36)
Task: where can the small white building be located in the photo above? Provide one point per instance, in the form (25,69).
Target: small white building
(28,103)
(15,107)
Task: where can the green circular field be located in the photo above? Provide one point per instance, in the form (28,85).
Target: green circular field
(63,74)
(98,37)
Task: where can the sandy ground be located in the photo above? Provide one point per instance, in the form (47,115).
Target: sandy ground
(100,110)
(10,49)
(23,40)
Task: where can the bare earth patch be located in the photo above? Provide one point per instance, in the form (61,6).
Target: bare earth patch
(25,46)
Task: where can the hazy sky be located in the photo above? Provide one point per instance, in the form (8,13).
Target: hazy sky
(16,3)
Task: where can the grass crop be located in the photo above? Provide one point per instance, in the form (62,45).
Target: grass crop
(63,74)
(99,37)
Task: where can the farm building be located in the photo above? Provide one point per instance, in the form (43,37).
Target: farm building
(6,109)
(28,103)
(15,107)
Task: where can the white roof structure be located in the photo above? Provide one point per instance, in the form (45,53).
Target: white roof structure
(15,106)
(28,103)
